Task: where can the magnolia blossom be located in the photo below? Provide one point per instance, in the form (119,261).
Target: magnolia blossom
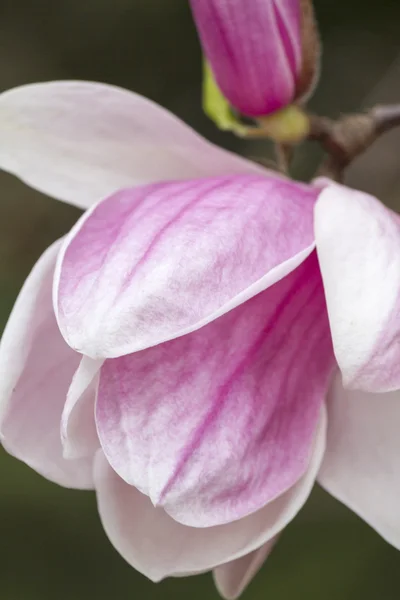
(264,53)
(174,352)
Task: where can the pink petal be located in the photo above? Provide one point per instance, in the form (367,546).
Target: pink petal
(159,547)
(78,426)
(216,424)
(361,465)
(254,49)
(358,245)
(232,578)
(153,263)
(79,141)
(36,368)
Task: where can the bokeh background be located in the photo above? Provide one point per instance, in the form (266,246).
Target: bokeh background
(52,546)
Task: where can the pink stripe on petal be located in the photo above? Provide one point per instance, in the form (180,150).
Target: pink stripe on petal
(358,245)
(152,263)
(216,424)
(158,546)
(36,368)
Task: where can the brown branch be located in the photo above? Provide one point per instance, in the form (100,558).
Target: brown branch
(284,154)
(386,117)
(348,137)
(342,140)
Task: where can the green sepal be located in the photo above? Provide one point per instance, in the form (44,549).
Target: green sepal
(216,106)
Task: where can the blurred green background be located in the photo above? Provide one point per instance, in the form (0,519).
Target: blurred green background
(51,542)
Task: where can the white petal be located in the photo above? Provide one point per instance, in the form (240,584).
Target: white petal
(361,465)
(79,141)
(358,246)
(36,368)
(232,578)
(78,427)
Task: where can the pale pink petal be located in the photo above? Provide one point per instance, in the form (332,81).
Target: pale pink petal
(254,48)
(36,368)
(232,578)
(150,264)
(78,427)
(215,424)
(157,546)
(358,245)
(79,141)
(361,465)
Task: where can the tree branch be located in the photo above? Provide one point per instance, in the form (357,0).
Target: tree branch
(386,117)
(348,137)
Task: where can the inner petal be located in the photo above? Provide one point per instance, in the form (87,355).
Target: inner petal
(216,424)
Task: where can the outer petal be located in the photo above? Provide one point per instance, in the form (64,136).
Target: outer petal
(216,424)
(79,141)
(36,368)
(78,426)
(361,465)
(232,578)
(152,263)
(158,546)
(358,245)
(254,49)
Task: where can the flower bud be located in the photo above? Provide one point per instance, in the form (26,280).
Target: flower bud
(263,53)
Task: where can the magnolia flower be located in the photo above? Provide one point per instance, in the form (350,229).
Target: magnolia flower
(174,351)
(264,54)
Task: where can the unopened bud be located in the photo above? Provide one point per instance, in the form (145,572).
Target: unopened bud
(263,53)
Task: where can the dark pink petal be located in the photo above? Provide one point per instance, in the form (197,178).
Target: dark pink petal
(358,245)
(216,424)
(36,368)
(78,426)
(232,578)
(153,263)
(157,546)
(254,48)
(361,464)
(80,141)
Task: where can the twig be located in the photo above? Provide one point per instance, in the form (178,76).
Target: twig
(386,117)
(284,154)
(348,137)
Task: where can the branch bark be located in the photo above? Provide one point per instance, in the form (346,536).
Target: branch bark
(348,137)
